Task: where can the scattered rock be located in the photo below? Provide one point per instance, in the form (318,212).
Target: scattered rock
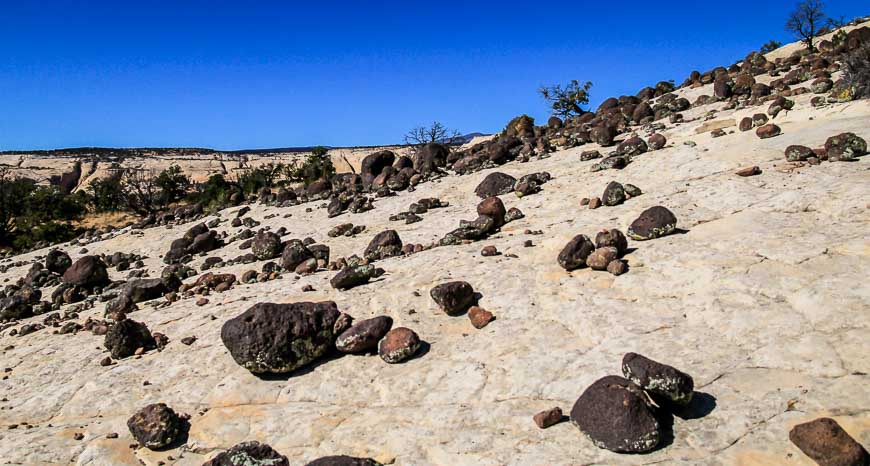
(343,461)
(768,131)
(453,297)
(398,345)
(385,244)
(125,337)
(249,454)
(748,171)
(155,426)
(495,184)
(548,418)
(658,379)
(364,335)
(479,316)
(845,147)
(601,257)
(798,153)
(355,276)
(573,256)
(489,251)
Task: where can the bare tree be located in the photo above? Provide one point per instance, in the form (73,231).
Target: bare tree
(141,193)
(806,21)
(436,132)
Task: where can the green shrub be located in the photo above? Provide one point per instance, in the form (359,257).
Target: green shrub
(568,101)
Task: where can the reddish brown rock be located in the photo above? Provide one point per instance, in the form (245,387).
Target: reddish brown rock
(479,316)
(548,418)
(828,444)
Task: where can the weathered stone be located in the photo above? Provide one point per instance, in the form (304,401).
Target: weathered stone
(294,254)
(614,194)
(845,146)
(155,426)
(652,223)
(768,131)
(266,245)
(826,443)
(342,460)
(385,244)
(280,338)
(617,267)
(797,153)
(87,272)
(616,415)
(492,207)
(479,316)
(601,257)
(125,337)
(364,335)
(574,254)
(748,171)
(57,261)
(354,276)
(398,345)
(614,238)
(249,454)
(548,418)
(495,184)
(453,297)
(658,379)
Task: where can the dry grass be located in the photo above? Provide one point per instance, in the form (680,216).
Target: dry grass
(101,220)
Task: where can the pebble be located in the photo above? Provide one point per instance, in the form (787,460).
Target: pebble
(548,418)
(479,317)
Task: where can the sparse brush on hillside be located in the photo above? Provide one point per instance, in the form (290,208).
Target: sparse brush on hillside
(569,100)
(770,46)
(316,166)
(856,72)
(436,132)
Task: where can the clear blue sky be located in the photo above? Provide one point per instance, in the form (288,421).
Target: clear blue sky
(253,74)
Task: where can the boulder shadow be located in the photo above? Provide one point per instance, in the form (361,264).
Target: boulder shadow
(701,405)
(328,357)
(425,347)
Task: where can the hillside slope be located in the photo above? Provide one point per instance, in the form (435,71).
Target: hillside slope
(762,298)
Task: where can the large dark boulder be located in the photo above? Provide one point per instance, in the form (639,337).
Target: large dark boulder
(57,261)
(249,454)
(616,415)
(351,277)
(280,338)
(295,253)
(125,337)
(652,223)
(385,244)
(431,157)
(266,245)
(87,272)
(156,426)
(495,184)
(342,460)
(145,289)
(373,164)
(826,443)
(573,256)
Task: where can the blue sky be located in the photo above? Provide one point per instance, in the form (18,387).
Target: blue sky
(255,74)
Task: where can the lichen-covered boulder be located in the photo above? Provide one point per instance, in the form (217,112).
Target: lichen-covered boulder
(657,141)
(280,338)
(155,426)
(249,454)
(453,297)
(495,184)
(614,194)
(294,254)
(398,345)
(845,146)
(266,245)
(632,146)
(494,208)
(385,244)
(364,335)
(652,223)
(612,237)
(797,153)
(87,272)
(573,256)
(125,337)
(616,415)
(658,379)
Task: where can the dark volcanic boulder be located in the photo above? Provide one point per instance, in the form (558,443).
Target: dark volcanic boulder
(373,164)
(430,157)
(492,207)
(658,379)
(155,426)
(57,261)
(603,135)
(364,335)
(385,244)
(828,444)
(845,146)
(797,153)
(343,461)
(125,337)
(613,238)
(614,194)
(355,276)
(495,184)
(616,415)
(280,338)
(20,304)
(87,272)
(453,297)
(204,242)
(249,454)
(657,141)
(632,146)
(652,223)
(144,289)
(294,254)
(574,254)
(266,245)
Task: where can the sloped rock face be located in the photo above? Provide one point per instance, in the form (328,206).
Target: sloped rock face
(280,338)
